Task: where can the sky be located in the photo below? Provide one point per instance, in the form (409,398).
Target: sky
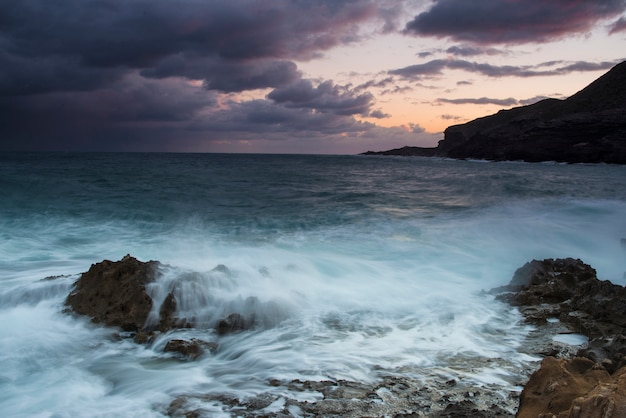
(286,76)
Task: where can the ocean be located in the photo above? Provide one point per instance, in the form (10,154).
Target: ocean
(360,267)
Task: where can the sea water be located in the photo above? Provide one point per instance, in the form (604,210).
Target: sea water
(356,267)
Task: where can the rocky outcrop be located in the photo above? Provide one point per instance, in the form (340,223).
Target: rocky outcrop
(593,383)
(113,293)
(588,127)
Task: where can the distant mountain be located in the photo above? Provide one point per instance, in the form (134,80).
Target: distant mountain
(588,127)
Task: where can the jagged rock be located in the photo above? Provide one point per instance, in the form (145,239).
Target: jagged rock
(549,281)
(191,349)
(114,293)
(568,289)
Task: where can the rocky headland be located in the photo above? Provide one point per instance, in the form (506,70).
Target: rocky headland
(559,297)
(588,127)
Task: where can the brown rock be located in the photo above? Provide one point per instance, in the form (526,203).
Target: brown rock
(575,388)
(113,293)
(553,388)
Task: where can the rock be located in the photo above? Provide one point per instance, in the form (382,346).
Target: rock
(192,349)
(576,388)
(568,289)
(167,313)
(549,281)
(553,388)
(233,323)
(592,384)
(113,293)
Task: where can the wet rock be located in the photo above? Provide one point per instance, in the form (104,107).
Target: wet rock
(548,281)
(392,396)
(114,293)
(167,313)
(233,323)
(569,290)
(468,408)
(565,294)
(191,349)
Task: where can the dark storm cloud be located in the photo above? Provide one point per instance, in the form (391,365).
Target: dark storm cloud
(261,117)
(325,97)
(93,42)
(436,67)
(106,68)
(511,21)
(226,75)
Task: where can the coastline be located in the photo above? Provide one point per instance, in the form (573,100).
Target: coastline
(542,291)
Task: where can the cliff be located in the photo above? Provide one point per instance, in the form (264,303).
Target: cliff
(588,127)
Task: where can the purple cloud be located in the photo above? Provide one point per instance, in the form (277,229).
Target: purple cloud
(109,74)
(436,67)
(86,45)
(325,97)
(511,21)
(482,100)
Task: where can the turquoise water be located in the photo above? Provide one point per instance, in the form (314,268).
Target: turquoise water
(358,264)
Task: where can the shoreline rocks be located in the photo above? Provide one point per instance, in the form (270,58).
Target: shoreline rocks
(557,296)
(592,383)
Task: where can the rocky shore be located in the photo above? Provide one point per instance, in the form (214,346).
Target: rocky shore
(561,298)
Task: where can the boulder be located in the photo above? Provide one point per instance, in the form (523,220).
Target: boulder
(113,293)
(575,388)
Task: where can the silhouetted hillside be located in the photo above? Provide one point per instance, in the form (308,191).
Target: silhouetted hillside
(588,127)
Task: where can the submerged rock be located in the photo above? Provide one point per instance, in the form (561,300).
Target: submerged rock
(233,323)
(113,293)
(191,349)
